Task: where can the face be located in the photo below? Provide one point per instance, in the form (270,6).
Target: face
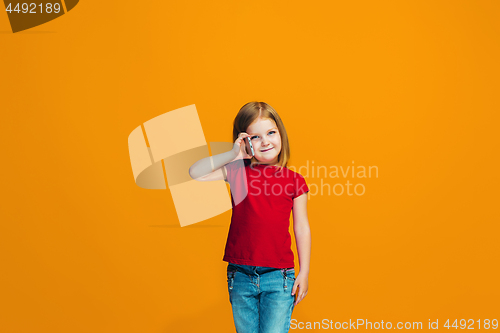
(266,140)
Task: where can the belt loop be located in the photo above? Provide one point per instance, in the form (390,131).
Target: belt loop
(283,271)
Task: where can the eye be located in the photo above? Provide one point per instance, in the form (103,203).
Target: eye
(253,137)
(272,132)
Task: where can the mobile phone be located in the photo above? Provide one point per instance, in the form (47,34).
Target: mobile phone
(249,146)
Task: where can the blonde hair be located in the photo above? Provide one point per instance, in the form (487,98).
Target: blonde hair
(254,110)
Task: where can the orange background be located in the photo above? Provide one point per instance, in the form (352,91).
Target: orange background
(409,87)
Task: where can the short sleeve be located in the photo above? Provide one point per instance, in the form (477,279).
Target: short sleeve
(233,167)
(300,186)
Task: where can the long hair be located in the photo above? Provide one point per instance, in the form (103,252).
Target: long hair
(254,110)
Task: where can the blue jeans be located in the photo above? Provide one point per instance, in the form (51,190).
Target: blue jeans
(261,298)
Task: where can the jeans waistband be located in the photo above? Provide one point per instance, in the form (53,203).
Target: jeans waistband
(256,269)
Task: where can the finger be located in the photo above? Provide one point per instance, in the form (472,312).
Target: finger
(242,140)
(294,289)
(303,295)
(299,298)
(244,150)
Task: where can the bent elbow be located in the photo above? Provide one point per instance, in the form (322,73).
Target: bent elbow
(191,173)
(195,175)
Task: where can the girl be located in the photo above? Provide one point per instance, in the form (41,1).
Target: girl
(263,290)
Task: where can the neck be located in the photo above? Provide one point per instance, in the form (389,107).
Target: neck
(267,164)
(271,163)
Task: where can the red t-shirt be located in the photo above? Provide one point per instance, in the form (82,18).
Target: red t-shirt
(262,198)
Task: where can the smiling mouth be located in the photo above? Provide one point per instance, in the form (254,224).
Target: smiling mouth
(263,151)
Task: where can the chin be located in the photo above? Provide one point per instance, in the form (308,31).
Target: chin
(266,160)
(261,160)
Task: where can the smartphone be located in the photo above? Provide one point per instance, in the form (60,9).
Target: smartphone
(249,146)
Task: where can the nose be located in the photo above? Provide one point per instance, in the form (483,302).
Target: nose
(265,142)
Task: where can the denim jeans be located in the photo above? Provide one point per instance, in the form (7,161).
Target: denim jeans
(261,298)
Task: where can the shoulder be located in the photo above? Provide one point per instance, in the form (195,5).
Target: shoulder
(290,173)
(236,168)
(236,164)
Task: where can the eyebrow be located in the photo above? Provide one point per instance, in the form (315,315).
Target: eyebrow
(267,130)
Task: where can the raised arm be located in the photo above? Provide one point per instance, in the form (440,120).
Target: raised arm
(209,168)
(303,239)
